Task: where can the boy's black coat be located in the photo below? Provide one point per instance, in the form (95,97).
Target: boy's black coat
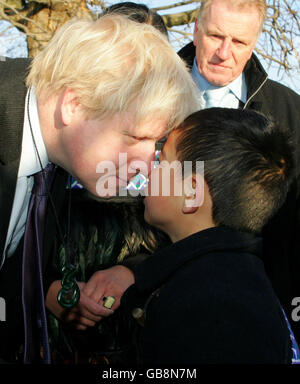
(212,304)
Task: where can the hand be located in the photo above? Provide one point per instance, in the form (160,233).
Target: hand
(85,314)
(109,282)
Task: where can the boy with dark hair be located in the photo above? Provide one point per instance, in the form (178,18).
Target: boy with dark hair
(248,164)
(206,298)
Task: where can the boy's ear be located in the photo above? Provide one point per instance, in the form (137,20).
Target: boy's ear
(193,192)
(69,106)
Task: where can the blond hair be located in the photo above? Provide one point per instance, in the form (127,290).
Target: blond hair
(260,5)
(112,63)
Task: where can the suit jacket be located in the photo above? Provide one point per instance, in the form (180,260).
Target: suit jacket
(12,101)
(207,299)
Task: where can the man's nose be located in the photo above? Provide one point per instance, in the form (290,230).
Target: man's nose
(224,51)
(144,160)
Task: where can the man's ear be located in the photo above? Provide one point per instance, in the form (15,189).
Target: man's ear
(69,106)
(195,31)
(194,193)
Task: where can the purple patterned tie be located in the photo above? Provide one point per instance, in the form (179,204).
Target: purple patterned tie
(35,321)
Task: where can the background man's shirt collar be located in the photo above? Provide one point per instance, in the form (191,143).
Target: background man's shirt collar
(238,87)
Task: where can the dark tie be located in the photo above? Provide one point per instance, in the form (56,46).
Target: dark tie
(35,321)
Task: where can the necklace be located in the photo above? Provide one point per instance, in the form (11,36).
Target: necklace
(69,294)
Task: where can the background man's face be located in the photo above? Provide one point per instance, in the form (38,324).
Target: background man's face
(224,41)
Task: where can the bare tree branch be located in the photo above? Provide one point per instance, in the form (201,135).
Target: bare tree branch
(181,18)
(39,19)
(171,6)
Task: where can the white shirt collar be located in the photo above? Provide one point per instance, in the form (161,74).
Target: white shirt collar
(29,163)
(238,86)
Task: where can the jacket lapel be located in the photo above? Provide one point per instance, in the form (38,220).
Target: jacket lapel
(8,177)
(12,99)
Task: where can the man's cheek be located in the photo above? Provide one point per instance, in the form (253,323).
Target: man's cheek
(106,182)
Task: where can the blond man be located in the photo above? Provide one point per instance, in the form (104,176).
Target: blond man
(228,74)
(98,89)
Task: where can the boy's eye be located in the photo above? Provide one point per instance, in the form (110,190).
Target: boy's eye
(157,155)
(157,160)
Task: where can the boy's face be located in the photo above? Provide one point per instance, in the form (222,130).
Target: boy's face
(165,189)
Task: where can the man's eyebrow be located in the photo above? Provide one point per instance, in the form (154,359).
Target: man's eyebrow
(214,31)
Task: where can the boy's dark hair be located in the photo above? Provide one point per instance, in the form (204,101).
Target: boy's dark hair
(248,163)
(140,13)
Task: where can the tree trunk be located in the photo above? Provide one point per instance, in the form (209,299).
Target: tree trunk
(48,19)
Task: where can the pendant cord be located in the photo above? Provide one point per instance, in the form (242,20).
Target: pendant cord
(68,252)
(69,294)
(66,244)
(43,175)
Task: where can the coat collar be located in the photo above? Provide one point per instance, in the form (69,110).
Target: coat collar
(158,267)
(255,74)
(12,103)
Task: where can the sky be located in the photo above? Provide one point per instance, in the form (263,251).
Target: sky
(13,43)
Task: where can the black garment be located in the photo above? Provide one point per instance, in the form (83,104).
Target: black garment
(12,330)
(281,235)
(12,102)
(102,235)
(207,299)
